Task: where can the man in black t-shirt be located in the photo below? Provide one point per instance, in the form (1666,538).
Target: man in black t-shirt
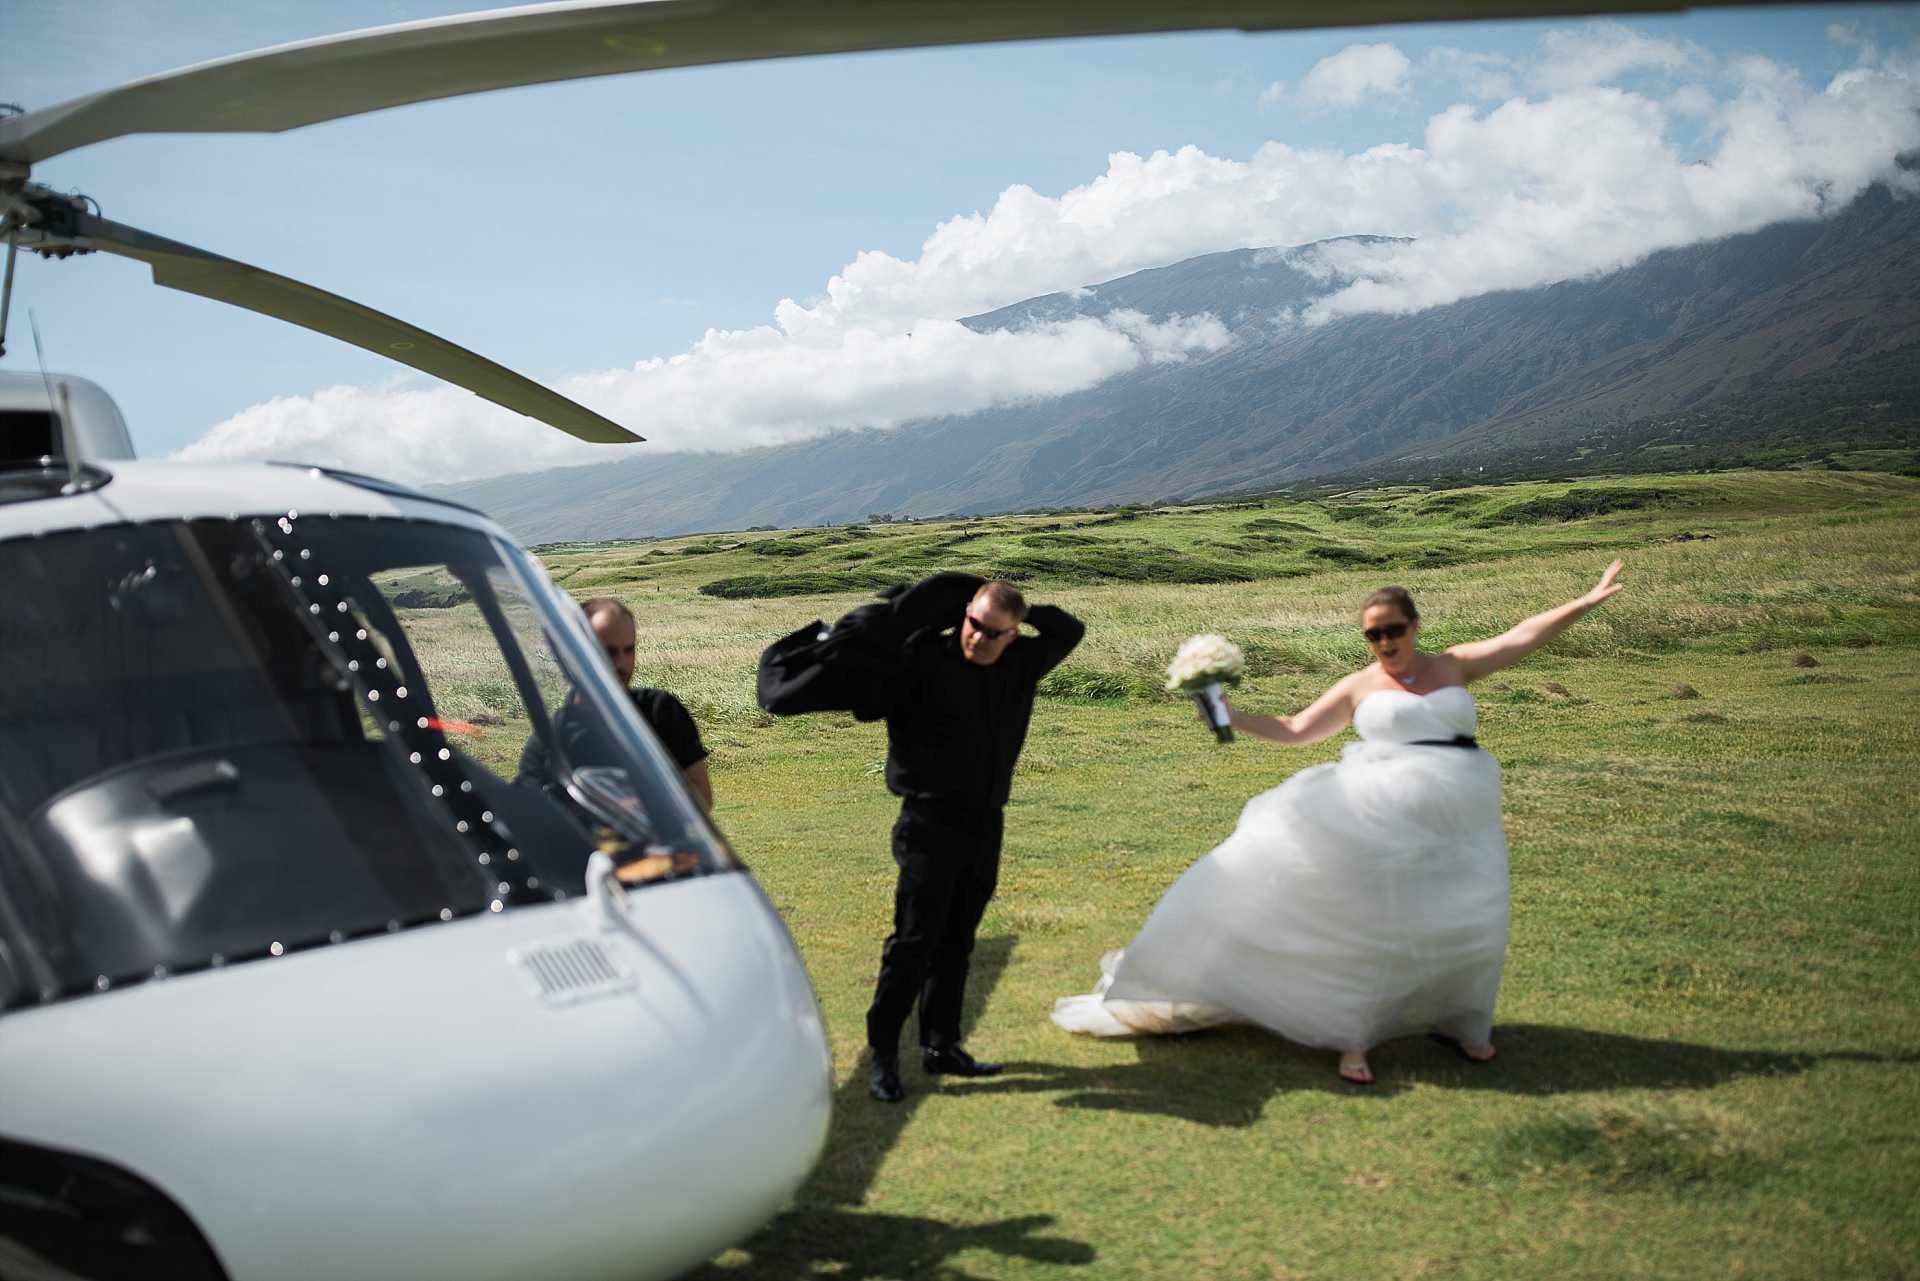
(664,714)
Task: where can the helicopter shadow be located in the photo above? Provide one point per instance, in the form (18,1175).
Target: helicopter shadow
(821,1226)
(852,1246)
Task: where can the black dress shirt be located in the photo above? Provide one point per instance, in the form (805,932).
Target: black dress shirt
(954,728)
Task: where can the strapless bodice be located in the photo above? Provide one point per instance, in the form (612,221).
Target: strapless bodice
(1399,716)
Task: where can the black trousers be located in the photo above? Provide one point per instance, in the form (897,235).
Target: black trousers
(949,860)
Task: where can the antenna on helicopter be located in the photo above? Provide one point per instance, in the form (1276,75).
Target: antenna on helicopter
(63,415)
(13,248)
(6,290)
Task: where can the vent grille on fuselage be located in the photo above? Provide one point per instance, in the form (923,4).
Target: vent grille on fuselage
(573,970)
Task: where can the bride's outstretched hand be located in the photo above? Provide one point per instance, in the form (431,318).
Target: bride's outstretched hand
(1607,586)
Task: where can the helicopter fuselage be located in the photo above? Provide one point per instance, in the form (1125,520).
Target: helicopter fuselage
(302,974)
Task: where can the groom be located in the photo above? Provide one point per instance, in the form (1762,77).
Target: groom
(956,703)
(955,724)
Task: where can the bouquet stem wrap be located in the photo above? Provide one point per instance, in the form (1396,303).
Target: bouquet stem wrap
(1213,710)
(1203,665)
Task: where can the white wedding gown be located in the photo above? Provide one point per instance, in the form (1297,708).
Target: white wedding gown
(1357,901)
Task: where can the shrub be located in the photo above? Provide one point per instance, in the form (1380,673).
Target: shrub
(1084,685)
(818,583)
(1578,503)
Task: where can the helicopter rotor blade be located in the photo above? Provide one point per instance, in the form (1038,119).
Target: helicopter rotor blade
(196,271)
(309,81)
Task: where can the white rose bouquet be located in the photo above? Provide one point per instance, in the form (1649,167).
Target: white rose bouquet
(1201,666)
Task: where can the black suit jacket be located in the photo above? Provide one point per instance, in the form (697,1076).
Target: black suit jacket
(850,666)
(954,729)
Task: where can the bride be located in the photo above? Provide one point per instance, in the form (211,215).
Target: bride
(1358,900)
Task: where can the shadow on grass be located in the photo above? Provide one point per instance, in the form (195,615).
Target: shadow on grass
(854,1246)
(817,1235)
(1540,1058)
(864,1131)
(1225,1077)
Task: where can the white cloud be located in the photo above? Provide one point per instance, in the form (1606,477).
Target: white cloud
(1694,100)
(1539,189)
(1479,74)
(734,390)
(1581,184)
(1350,77)
(1600,52)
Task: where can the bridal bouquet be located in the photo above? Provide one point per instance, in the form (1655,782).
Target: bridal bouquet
(1201,666)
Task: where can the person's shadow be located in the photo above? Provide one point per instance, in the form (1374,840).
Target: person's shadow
(1225,1077)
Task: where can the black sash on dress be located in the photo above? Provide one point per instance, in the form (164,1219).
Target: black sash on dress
(1458,740)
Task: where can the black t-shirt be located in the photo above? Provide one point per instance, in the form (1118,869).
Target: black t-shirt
(672,723)
(664,714)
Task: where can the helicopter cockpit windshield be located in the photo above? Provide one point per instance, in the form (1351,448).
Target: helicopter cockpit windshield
(230,739)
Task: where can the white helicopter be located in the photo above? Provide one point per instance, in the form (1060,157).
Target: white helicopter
(301,975)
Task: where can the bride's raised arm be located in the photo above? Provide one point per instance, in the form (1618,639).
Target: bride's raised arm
(1323,718)
(1484,657)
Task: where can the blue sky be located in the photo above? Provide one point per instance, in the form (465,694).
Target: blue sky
(728,256)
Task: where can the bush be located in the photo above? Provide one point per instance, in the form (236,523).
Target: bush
(1118,564)
(1341,554)
(818,583)
(1063,539)
(1084,685)
(444,596)
(1578,503)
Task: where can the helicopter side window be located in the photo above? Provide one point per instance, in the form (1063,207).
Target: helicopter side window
(231,739)
(120,646)
(438,634)
(450,649)
(184,777)
(27,436)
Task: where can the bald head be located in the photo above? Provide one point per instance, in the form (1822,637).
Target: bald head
(613,624)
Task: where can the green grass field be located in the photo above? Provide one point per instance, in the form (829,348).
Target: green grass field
(1710,1024)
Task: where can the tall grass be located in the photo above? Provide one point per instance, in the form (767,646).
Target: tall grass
(1709,1033)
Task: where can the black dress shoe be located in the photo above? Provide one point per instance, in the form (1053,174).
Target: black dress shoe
(883,1079)
(954,1061)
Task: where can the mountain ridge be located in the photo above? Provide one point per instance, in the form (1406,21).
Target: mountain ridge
(1515,373)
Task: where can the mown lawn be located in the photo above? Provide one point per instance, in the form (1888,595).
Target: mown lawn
(1710,1025)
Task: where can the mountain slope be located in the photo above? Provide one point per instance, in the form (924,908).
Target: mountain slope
(1518,371)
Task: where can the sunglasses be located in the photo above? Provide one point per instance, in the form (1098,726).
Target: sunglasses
(1391,631)
(991,633)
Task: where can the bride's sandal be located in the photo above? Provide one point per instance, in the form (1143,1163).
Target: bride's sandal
(1453,1043)
(1356,1073)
